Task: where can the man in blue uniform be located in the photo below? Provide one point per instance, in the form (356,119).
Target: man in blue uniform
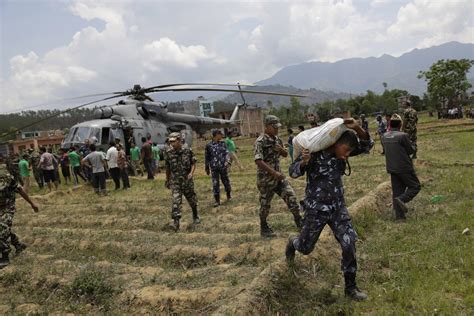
(217,161)
(324,201)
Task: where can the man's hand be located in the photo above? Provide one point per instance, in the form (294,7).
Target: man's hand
(306,156)
(351,123)
(35,207)
(278,176)
(280,149)
(190,176)
(208,171)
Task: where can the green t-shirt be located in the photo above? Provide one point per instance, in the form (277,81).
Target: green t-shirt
(135,153)
(156,152)
(75,159)
(230,145)
(23,166)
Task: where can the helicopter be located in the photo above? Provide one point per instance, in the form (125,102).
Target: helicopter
(138,116)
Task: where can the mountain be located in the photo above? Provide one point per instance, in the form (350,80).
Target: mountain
(357,75)
(312,96)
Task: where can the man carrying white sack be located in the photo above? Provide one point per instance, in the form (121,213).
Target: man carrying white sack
(324,202)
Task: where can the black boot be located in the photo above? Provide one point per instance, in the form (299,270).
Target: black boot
(298,221)
(352,291)
(217,199)
(20,247)
(229,196)
(265,230)
(4,261)
(196,219)
(290,250)
(176,224)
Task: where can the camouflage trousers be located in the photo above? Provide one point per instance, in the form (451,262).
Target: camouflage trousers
(6,221)
(178,189)
(38,174)
(341,226)
(224,177)
(281,188)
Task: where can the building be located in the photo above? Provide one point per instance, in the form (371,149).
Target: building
(35,140)
(250,121)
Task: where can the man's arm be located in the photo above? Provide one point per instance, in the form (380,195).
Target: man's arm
(298,167)
(406,143)
(272,172)
(27,199)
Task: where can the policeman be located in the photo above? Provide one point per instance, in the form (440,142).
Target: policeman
(8,187)
(324,201)
(410,119)
(217,162)
(270,180)
(180,165)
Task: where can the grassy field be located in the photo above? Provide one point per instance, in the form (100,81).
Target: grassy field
(117,254)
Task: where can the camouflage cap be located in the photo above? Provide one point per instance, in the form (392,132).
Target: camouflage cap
(396,117)
(272,120)
(174,136)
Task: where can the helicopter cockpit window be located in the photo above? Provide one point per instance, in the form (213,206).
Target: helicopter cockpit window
(105,135)
(80,134)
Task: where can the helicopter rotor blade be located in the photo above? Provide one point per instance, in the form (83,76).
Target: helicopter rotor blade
(197,84)
(230,90)
(59,101)
(60,113)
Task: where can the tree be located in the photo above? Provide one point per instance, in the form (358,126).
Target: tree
(447,80)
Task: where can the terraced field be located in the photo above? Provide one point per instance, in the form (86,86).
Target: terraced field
(118,254)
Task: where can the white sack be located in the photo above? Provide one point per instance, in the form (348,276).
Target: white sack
(319,138)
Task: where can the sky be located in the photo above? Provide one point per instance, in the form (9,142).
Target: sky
(51,50)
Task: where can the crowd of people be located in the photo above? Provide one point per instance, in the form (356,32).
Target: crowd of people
(323,203)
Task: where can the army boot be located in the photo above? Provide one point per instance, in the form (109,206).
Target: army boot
(217,199)
(229,196)
(4,261)
(351,290)
(176,224)
(20,247)
(290,250)
(196,219)
(265,230)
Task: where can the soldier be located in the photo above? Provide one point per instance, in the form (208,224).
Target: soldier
(180,165)
(217,162)
(37,172)
(8,187)
(324,201)
(270,180)
(410,119)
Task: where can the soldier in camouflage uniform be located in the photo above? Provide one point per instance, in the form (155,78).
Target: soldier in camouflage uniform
(8,187)
(410,119)
(217,162)
(270,180)
(13,168)
(324,201)
(180,165)
(37,172)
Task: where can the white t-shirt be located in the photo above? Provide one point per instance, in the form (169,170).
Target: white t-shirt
(46,161)
(95,159)
(111,157)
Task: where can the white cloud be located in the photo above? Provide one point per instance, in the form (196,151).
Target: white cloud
(160,42)
(434,22)
(167,52)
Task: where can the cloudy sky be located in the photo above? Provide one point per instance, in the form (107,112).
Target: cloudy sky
(58,49)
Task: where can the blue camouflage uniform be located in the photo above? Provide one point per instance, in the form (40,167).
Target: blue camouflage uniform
(324,204)
(217,159)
